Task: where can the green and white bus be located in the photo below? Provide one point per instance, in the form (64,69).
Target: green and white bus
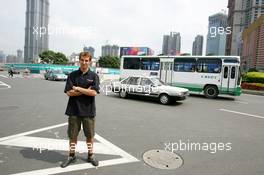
(208,75)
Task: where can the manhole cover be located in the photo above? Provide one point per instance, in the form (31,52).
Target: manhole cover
(162,159)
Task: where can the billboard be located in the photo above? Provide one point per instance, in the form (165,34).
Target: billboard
(135,51)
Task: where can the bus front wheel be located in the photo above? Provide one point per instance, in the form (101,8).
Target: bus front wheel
(211,91)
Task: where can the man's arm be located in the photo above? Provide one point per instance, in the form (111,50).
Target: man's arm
(73,93)
(68,88)
(88,92)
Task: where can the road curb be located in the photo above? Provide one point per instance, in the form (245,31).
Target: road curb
(252,92)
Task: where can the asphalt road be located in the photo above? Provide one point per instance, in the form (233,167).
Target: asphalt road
(231,127)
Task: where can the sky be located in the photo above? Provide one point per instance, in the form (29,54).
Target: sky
(137,23)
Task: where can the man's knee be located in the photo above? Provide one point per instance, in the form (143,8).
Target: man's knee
(74,126)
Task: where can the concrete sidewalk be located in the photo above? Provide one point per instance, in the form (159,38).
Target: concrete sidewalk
(252,92)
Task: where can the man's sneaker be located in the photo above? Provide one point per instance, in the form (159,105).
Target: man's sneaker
(92,160)
(68,161)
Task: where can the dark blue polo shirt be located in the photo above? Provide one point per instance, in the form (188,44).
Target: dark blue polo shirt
(83,105)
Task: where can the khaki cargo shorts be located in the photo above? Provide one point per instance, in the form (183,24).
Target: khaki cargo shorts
(74,126)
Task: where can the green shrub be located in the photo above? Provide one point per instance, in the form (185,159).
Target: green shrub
(254,77)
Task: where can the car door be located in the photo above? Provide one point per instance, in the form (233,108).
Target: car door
(133,86)
(146,85)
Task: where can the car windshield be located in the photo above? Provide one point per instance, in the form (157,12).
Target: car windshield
(157,81)
(57,71)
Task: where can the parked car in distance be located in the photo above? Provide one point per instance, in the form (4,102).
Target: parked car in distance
(149,86)
(67,71)
(55,74)
(26,71)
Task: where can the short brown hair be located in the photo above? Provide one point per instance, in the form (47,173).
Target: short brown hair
(85,54)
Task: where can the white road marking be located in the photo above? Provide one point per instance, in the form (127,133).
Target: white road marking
(101,147)
(40,144)
(3,76)
(33,131)
(242,102)
(77,167)
(6,86)
(241,113)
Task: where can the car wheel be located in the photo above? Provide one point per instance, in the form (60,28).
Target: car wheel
(211,91)
(123,93)
(164,99)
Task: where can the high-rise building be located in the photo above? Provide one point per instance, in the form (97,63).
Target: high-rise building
(253,46)
(216,37)
(236,22)
(2,57)
(90,50)
(165,44)
(36,31)
(171,44)
(253,10)
(20,56)
(240,15)
(110,50)
(197,48)
(11,59)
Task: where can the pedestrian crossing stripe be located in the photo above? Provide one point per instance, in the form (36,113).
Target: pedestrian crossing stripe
(102,146)
(3,76)
(4,85)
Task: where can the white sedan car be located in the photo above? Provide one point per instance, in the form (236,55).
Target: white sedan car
(149,86)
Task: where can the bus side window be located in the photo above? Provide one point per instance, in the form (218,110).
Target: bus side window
(184,64)
(239,77)
(233,72)
(131,63)
(211,65)
(150,63)
(225,72)
(193,68)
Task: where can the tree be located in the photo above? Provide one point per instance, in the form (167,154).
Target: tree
(51,57)
(60,58)
(109,62)
(47,56)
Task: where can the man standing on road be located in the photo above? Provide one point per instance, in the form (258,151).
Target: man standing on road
(82,86)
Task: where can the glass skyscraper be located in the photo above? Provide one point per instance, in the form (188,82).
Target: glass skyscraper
(216,37)
(36,30)
(171,44)
(197,48)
